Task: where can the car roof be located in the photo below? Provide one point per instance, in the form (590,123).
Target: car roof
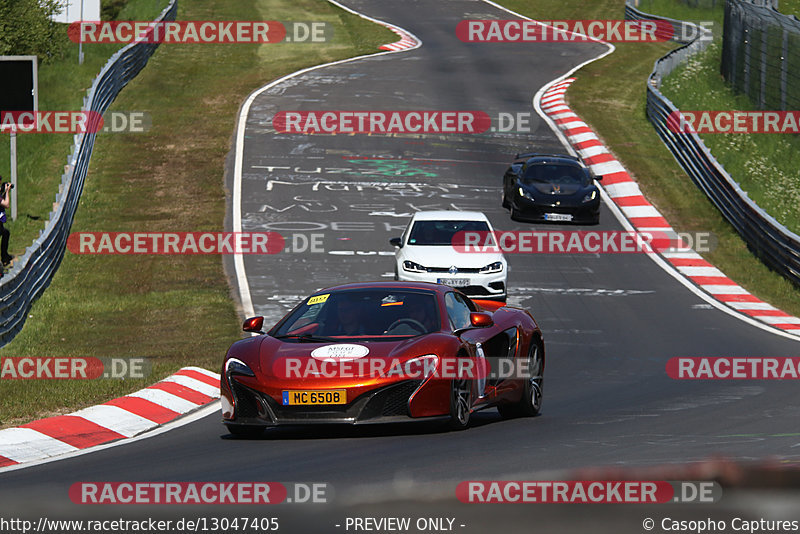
(449,215)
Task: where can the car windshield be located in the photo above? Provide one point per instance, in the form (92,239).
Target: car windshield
(555,174)
(438,233)
(362,314)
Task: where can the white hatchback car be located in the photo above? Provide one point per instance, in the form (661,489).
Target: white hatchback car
(425,253)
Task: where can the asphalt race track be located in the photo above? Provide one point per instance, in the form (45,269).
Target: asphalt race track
(610,321)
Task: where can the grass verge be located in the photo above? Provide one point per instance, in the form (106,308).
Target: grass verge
(173,310)
(765,165)
(610,95)
(41,157)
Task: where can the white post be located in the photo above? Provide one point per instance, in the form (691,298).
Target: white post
(80,41)
(14,175)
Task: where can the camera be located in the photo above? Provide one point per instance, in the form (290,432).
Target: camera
(6,186)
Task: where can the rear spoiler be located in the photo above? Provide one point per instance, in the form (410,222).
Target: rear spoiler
(532,154)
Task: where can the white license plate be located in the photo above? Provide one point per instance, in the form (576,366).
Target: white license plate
(454,282)
(557,217)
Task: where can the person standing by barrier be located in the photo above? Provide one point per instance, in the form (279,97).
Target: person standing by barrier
(5,203)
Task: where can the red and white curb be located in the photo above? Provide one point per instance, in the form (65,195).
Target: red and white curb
(407,41)
(185,391)
(643,216)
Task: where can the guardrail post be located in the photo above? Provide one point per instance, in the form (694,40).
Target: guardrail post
(784,67)
(762,96)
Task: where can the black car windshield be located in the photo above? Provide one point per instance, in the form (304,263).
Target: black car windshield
(555,174)
(438,233)
(362,314)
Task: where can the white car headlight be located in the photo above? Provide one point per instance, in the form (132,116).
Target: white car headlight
(495,267)
(413,267)
(525,194)
(591,196)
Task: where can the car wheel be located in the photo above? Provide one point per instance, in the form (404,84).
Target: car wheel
(531,402)
(460,403)
(246,431)
(396,276)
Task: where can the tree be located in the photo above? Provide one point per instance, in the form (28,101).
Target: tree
(27,28)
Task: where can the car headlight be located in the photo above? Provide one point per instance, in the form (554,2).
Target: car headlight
(590,196)
(495,267)
(525,194)
(413,267)
(418,368)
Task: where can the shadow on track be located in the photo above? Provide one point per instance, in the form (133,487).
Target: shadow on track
(343,431)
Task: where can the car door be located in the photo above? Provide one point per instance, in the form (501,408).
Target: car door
(459,308)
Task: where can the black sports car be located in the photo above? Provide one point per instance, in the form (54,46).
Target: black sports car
(551,187)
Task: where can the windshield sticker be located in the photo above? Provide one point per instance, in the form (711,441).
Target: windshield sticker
(338,353)
(319,299)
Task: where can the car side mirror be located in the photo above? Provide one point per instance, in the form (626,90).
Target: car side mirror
(480,319)
(254,324)
(396,242)
(476,320)
(598,178)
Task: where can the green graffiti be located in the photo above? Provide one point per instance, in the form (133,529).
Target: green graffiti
(392,168)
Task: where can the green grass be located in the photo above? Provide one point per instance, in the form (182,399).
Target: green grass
(610,95)
(675,9)
(173,310)
(765,165)
(789,7)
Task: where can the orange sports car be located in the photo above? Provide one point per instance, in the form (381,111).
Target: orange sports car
(383,352)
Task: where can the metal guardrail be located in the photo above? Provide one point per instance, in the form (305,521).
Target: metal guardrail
(33,271)
(778,247)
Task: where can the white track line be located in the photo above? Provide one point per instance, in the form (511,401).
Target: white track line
(238,259)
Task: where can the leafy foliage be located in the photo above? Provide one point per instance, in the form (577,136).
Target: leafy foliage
(26,28)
